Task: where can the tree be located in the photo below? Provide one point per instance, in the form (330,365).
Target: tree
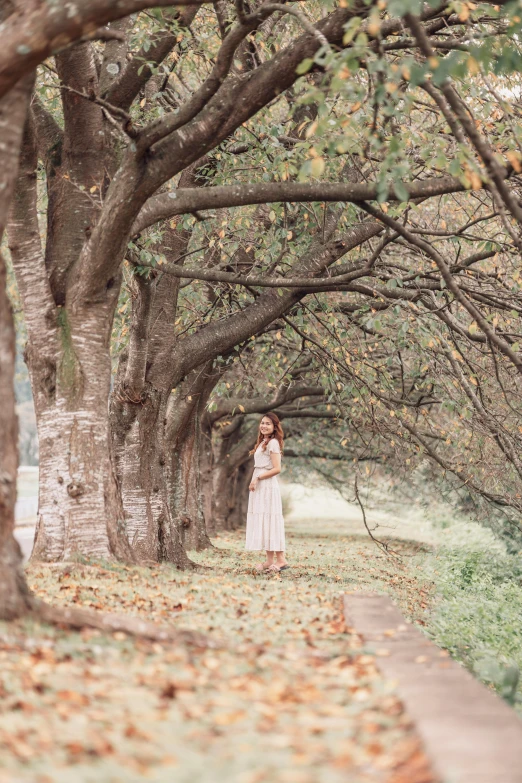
(95,193)
(15,597)
(96,203)
(14,593)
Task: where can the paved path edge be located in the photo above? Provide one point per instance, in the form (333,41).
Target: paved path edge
(470,735)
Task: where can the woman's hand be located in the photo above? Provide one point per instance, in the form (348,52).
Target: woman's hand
(253,484)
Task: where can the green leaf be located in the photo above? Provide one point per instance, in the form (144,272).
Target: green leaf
(401,191)
(304,66)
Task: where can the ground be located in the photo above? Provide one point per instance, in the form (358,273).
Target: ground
(285,694)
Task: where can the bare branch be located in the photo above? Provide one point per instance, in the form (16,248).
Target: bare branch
(381,544)
(303,21)
(215,276)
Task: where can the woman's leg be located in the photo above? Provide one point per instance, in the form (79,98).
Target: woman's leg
(266,565)
(280,561)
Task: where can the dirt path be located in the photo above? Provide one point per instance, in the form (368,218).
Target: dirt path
(291,696)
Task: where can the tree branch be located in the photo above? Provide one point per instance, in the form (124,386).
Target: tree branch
(215,276)
(186,201)
(30,36)
(124,89)
(448,278)
(231,407)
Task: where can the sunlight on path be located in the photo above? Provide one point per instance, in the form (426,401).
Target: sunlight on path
(313,506)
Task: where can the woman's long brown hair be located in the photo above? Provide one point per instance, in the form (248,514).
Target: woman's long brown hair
(277,433)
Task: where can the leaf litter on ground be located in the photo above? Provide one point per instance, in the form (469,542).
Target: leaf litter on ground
(288,693)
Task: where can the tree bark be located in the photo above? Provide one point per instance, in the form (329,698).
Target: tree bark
(143,464)
(231,451)
(206,473)
(238,508)
(15,597)
(157,446)
(80,511)
(139,415)
(185,448)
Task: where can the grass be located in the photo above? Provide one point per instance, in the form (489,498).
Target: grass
(289,695)
(472,585)
(477,612)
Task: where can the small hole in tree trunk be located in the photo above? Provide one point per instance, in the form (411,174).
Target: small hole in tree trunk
(75,489)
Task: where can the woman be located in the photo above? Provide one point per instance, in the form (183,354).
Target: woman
(265,523)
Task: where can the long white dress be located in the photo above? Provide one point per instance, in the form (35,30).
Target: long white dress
(265,524)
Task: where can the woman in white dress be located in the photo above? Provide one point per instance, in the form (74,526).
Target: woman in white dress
(265,524)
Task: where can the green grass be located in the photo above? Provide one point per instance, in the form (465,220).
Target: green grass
(476,613)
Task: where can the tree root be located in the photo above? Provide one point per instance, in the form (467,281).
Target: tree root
(74,617)
(17,601)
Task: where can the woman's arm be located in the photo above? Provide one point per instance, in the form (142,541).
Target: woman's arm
(253,482)
(275,457)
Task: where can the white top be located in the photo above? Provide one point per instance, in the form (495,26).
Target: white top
(262,458)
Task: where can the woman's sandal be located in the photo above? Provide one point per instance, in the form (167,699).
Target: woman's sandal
(263,567)
(275,568)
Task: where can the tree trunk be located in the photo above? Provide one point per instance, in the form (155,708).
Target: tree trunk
(14,593)
(141,405)
(206,473)
(186,444)
(69,364)
(239,506)
(80,509)
(143,465)
(232,445)
(220,496)
(138,420)
(186,491)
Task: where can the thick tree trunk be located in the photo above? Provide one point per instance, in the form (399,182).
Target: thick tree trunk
(141,404)
(80,509)
(14,593)
(138,422)
(143,469)
(186,445)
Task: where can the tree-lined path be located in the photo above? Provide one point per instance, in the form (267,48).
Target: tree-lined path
(210,211)
(289,694)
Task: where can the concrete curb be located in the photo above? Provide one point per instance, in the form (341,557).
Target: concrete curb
(469,734)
